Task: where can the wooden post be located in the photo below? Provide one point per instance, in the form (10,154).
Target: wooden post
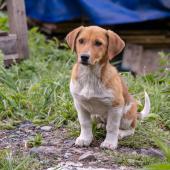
(18,25)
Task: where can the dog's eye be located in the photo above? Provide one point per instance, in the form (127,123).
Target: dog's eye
(98,43)
(81,41)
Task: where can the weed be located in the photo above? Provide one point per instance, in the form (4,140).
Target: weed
(18,162)
(36,141)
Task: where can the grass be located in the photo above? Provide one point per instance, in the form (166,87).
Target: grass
(36,141)
(131,159)
(165,165)
(18,162)
(37,89)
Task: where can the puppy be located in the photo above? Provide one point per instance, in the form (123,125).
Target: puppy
(97,88)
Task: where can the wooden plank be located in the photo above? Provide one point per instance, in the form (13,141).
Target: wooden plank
(150,60)
(143,32)
(8,44)
(141,60)
(11,57)
(2,33)
(18,25)
(132,57)
(160,41)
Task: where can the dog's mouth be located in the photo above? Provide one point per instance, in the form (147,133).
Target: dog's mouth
(84,63)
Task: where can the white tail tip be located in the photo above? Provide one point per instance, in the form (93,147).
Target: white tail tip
(146,108)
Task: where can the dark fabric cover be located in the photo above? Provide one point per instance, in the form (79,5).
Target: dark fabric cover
(100,12)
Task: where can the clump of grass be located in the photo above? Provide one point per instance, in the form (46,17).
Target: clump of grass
(18,162)
(130,159)
(36,141)
(166,163)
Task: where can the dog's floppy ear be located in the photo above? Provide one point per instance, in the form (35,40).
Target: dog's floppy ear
(72,36)
(116,44)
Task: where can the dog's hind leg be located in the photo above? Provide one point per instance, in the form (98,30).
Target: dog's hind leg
(125,133)
(127,128)
(112,128)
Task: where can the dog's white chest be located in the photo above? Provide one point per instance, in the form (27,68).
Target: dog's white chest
(90,92)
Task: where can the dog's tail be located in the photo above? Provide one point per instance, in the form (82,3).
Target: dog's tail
(146,109)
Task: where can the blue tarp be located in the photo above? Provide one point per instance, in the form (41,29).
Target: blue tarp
(100,12)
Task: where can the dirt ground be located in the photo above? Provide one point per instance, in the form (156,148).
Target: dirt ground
(57,150)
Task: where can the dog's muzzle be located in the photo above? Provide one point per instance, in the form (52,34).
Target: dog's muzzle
(85,59)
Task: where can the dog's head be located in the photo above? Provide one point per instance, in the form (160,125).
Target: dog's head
(94,44)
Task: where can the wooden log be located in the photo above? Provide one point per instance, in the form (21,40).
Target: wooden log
(18,25)
(8,44)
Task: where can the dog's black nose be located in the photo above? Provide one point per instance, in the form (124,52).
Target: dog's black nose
(84,59)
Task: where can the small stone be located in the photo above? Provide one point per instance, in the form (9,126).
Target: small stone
(73,164)
(67,155)
(152,152)
(69,143)
(126,168)
(92,163)
(46,128)
(52,168)
(134,152)
(92,168)
(44,162)
(44,150)
(87,156)
(76,150)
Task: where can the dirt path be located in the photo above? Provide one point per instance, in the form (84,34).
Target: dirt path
(58,151)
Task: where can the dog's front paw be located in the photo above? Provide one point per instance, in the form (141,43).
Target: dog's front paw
(83,142)
(109,145)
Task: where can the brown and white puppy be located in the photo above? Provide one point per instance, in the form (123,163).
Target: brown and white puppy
(97,87)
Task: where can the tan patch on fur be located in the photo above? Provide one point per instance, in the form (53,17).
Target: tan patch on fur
(74,72)
(113,82)
(126,94)
(132,114)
